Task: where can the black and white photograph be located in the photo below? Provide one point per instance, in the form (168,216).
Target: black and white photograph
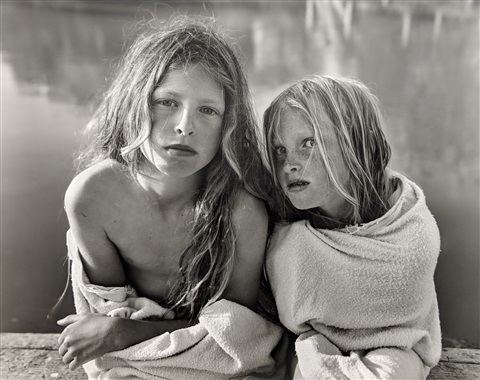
(227,189)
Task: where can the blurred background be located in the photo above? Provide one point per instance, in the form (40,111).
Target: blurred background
(420,57)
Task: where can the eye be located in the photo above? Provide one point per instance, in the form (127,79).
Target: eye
(279,150)
(168,103)
(309,143)
(209,111)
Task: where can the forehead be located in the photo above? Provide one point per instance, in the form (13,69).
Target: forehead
(294,126)
(192,78)
(291,126)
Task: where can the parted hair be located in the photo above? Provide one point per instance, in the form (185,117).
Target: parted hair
(353,112)
(123,122)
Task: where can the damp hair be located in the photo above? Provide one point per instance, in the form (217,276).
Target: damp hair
(352,110)
(123,121)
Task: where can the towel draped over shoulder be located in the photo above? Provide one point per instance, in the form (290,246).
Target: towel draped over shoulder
(362,287)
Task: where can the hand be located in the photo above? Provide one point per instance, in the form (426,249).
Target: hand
(86,337)
(142,308)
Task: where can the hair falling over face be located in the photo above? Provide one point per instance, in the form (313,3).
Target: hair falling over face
(353,112)
(123,121)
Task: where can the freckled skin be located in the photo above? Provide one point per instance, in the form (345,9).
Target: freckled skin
(297,158)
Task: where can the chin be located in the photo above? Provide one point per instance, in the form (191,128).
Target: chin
(302,204)
(181,169)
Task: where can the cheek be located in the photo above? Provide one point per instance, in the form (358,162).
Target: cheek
(280,181)
(211,141)
(341,171)
(157,133)
(314,167)
(148,150)
(215,138)
(278,171)
(160,119)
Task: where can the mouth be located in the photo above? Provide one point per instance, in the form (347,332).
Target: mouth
(297,185)
(180,150)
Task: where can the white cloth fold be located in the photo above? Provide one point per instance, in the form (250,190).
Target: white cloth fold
(359,288)
(230,340)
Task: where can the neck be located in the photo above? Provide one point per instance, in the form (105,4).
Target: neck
(337,208)
(332,217)
(169,192)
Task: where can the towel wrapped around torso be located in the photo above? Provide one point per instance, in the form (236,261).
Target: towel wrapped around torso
(230,340)
(361,287)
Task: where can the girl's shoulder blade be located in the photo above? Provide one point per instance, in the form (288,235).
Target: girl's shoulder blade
(97,186)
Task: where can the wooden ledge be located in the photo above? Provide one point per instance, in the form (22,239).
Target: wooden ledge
(35,356)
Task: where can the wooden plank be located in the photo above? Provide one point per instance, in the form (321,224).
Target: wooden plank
(28,340)
(35,356)
(457,363)
(461,355)
(455,371)
(26,364)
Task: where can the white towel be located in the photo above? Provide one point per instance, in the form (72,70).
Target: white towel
(230,340)
(359,288)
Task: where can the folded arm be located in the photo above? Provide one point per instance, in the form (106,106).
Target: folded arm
(317,357)
(89,336)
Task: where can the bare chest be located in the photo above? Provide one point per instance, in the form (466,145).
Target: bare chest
(150,247)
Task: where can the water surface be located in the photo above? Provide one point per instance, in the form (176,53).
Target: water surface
(55,62)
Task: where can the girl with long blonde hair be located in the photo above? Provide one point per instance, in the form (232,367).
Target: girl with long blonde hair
(352,258)
(164,203)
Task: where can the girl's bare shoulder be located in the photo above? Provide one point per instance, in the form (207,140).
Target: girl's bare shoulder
(249,212)
(97,186)
(250,223)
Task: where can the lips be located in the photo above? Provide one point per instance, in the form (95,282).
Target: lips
(297,185)
(180,150)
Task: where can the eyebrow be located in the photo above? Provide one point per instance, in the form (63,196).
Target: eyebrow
(299,137)
(276,142)
(176,94)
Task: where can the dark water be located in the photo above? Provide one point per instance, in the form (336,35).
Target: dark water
(55,61)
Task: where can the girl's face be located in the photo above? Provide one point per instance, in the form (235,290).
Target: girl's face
(299,167)
(187,110)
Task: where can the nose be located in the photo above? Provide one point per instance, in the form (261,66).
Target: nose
(185,127)
(291,164)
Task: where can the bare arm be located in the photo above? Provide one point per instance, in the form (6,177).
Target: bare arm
(89,336)
(87,216)
(251,223)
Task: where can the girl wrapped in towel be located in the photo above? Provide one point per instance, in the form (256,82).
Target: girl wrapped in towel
(353,253)
(163,222)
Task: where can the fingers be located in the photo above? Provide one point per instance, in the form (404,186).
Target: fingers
(122,312)
(62,350)
(65,348)
(69,319)
(71,361)
(62,338)
(74,363)
(68,357)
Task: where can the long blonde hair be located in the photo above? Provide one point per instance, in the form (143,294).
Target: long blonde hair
(123,122)
(357,122)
